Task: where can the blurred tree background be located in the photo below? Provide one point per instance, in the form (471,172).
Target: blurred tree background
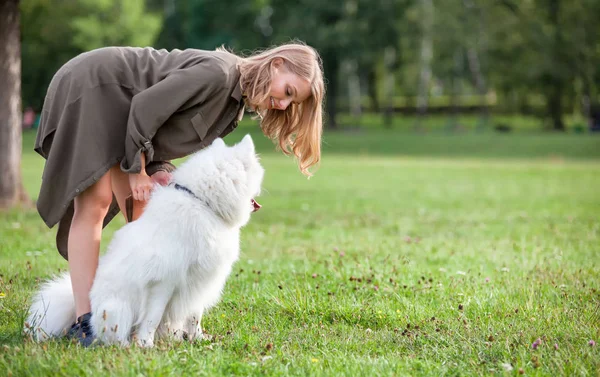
(538,58)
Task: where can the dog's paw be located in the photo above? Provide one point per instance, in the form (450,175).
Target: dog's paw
(193,329)
(178,335)
(196,336)
(171,332)
(145,343)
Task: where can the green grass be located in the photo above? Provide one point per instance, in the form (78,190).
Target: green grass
(406,254)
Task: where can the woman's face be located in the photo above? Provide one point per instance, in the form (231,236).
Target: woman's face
(286,87)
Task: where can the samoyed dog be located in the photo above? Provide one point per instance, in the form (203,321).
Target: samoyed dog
(162,271)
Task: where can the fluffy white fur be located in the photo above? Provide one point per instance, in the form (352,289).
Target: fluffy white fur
(164,270)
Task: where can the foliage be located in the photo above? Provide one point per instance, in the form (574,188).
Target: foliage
(537,56)
(207,24)
(114,22)
(54,32)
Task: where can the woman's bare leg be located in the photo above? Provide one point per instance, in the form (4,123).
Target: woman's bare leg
(121,188)
(84,239)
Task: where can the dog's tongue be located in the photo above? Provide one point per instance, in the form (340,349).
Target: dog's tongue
(256,205)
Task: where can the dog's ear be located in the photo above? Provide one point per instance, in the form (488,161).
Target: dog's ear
(246,146)
(218,142)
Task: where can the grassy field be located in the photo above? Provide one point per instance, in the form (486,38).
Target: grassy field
(406,254)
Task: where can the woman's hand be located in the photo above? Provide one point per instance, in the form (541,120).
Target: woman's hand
(141,186)
(161,177)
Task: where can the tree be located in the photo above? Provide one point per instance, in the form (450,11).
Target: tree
(543,49)
(115,22)
(55,31)
(377,19)
(46,36)
(321,25)
(12,192)
(426,55)
(475,16)
(342,30)
(557,76)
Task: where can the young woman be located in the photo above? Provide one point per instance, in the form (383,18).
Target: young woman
(113,117)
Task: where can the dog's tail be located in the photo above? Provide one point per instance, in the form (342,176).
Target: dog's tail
(52,311)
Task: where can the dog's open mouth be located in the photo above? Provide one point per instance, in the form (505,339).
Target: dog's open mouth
(255,205)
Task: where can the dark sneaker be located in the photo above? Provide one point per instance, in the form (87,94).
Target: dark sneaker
(72,333)
(82,330)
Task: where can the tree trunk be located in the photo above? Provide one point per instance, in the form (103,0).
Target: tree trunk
(354,92)
(555,93)
(11,185)
(331,67)
(554,103)
(427,9)
(474,62)
(455,89)
(389,57)
(586,75)
(587,98)
(372,88)
(475,69)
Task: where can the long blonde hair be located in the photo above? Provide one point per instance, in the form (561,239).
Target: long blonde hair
(299,127)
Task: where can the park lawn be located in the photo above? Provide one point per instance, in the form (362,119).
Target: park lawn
(406,254)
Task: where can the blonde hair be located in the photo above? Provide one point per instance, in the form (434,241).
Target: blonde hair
(298,128)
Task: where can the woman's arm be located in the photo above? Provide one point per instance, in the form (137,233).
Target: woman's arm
(150,108)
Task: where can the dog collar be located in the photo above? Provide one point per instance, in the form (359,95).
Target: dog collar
(185,189)
(179,187)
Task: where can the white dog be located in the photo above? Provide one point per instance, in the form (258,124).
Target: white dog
(164,270)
